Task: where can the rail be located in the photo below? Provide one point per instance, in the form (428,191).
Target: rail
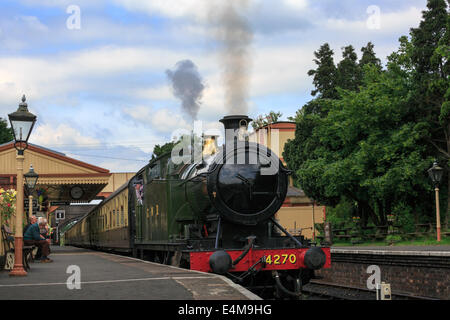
(345,292)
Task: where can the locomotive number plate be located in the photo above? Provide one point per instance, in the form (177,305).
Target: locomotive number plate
(281,258)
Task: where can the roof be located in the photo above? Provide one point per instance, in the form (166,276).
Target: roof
(57,172)
(295,192)
(34,145)
(55,154)
(281,125)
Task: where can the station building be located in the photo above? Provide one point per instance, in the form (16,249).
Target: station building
(298,213)
(62,181)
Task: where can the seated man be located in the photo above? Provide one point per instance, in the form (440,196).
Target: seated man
(33,237)
(33,220)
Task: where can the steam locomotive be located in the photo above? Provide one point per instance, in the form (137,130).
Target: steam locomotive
(213,214)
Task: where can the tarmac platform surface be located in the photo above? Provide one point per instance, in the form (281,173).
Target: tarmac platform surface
(104,276)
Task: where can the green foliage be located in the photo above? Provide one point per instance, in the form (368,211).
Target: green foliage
(369,57)
(404,217)
(392,238)
(348,71)
(360,151)
(365,142)
(324,77)
(265,120)
(6,133)
(165,148)
(341,214)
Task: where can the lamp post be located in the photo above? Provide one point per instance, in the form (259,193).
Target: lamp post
(435,173)
(22,122)
(31,179)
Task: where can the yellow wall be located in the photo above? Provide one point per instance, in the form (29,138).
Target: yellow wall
(41,164)
(116,180)
(299,220)
(264,136)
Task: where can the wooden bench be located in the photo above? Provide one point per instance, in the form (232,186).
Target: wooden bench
(8,244)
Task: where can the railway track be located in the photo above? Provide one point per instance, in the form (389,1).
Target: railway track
(318,290)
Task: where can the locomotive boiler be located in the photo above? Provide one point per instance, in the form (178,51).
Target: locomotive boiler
(214,213)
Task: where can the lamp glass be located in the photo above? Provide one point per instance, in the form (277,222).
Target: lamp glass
(22,129)
(31,178)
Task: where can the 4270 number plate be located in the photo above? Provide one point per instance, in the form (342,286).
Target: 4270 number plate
(278,259)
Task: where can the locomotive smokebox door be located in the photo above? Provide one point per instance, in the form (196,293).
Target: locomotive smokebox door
(247,183)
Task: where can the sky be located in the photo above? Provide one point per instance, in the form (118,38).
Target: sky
(96,72)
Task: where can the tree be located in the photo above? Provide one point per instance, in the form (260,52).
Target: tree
(6,133)
(269,118)
(165,148)
(369,144)
(348,72)
(368,56)
(429,54)
(324,75)
(364,149)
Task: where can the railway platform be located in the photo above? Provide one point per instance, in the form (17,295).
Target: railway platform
(84,274)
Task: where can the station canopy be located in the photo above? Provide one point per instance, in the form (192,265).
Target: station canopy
(63,179)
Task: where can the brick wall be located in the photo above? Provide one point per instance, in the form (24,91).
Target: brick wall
(417,280)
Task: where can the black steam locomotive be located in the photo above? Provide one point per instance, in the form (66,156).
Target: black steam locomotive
(213,214)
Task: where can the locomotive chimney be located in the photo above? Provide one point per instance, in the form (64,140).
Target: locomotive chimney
(238,125)
(236,122)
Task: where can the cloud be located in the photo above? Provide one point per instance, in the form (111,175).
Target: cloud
(169,8)
(62,135)
(114,158)
(162,120)
(56,75)
(390,22)
(296,4)
(162,92)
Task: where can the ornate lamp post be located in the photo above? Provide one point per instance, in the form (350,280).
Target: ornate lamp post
(31,179)
(435,173)
(22,122)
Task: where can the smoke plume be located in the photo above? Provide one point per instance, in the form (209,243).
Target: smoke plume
(187,86)
(234,34)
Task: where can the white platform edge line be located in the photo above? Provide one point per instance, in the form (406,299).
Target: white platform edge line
(237,287)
